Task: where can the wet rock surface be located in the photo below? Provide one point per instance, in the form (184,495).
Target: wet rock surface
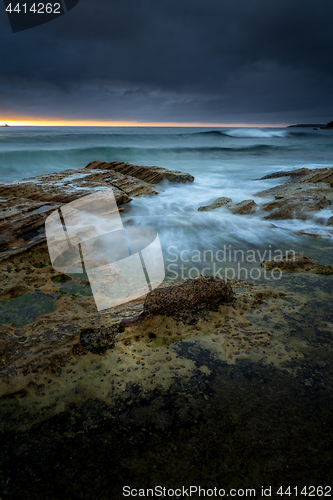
(27,203)
(244,207)
(203,424)
(295,207)
(66,328)
(230,387)
(88,406)
(300,175)
(298,263)
(98,340)
(204,431)
(151,175)
(303,196)
(219,202)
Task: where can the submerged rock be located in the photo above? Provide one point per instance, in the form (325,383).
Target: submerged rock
(314,176)
(244,207)
(219,202)
(182,302)
(298,263)
(305,193)
(295,207)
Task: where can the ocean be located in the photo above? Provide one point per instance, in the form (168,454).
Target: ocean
(228,155)
(224,161)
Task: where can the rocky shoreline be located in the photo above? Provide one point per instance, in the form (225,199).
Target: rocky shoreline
(49,318)
(79,387)
(306,192)
(32,294)
(27,203)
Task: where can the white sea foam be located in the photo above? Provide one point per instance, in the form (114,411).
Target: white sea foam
(174,214)
(255,133)
(224,163)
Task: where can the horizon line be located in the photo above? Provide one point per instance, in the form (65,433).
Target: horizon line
(31,122)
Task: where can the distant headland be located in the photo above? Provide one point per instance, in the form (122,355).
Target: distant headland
(314,125)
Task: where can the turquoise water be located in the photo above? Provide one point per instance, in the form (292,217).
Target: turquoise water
(224,162)
(30,151)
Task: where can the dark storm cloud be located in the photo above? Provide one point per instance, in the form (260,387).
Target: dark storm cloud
(167,60)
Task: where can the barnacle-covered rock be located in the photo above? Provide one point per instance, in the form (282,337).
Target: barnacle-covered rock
(298,263)
(184,301)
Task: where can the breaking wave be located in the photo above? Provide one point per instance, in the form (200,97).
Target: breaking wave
(255,133)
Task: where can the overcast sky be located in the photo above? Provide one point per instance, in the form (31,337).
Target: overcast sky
(208,61)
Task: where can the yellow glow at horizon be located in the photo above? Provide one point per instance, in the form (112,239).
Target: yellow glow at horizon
(32,122)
